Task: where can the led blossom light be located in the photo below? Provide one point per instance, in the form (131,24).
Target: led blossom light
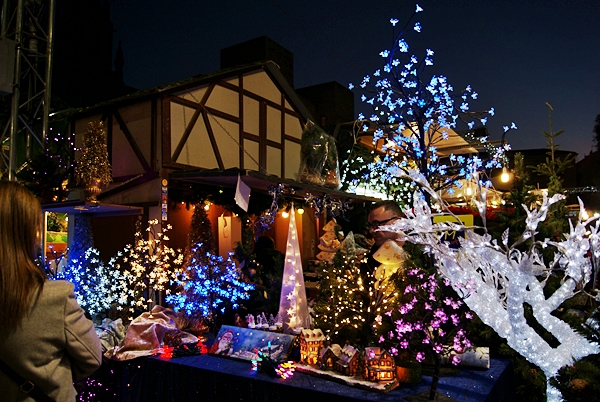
(148,265)
(96,285)
(208,285)
(412,115)
(418,325)
(131,280)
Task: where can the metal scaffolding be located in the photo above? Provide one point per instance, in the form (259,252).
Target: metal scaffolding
(27,27)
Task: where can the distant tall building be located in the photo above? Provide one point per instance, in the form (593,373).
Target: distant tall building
(83,72)
(259,49)
(329,103)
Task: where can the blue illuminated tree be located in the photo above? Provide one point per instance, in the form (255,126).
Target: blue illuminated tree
(413,115)
(208,283)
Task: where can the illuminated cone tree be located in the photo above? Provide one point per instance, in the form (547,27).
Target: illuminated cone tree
(293,306)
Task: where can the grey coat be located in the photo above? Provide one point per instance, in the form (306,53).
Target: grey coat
(55,345)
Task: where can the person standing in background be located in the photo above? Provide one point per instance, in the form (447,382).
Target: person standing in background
(45,338)
(383,213)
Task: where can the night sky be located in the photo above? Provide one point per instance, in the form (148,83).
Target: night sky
(517,54)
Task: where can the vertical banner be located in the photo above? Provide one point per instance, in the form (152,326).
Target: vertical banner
(164,195)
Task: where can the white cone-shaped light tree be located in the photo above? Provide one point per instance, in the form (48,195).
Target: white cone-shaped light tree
(497,280)
(293,306)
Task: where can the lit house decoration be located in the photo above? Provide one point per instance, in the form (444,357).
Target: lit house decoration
(293,306)
(311,343)
(347,364)
(329,356)
(379,365)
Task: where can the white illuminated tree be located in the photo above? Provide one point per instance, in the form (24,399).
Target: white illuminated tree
(414,114)
(497,280)
(293,306)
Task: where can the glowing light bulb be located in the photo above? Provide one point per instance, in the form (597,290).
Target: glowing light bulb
(207,206)
(300,210)
(504,177)
(285,214)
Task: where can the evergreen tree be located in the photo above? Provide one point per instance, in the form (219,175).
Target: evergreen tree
(201,237)
(341,307)
(597,132)
(93,164)
(349,307)
(83,238)
(512,214)
(554,167)
(579,382)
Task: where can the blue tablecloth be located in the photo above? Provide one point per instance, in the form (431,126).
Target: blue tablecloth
(212,378)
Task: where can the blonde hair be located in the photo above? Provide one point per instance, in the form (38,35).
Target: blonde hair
(21,281)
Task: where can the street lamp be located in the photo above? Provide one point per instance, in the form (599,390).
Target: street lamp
(505,176)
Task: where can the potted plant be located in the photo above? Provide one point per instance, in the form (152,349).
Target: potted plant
(428,322)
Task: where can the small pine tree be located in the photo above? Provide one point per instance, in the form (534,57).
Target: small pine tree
(93,163)
(553,168)
(514,215)
(201,240)
(83,238)
(597,132)
(347,305)
(579,382)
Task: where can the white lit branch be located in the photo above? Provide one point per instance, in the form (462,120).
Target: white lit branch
(496,280)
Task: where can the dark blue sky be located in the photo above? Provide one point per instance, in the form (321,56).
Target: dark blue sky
(517,54)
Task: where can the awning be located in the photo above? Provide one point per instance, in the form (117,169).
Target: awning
(97,209)
(258,182)
(445,140)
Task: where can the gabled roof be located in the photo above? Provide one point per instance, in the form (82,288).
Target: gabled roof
(313,335)
(348,352)
(335,349)
(167,89)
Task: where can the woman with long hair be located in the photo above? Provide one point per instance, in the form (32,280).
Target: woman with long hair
(45,338)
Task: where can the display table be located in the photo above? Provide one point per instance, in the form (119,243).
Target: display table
(212,378)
